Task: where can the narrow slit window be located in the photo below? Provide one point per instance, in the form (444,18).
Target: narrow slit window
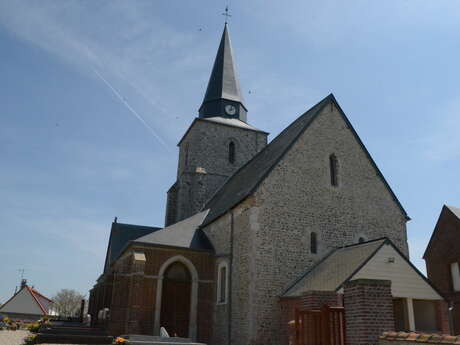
(222,292)
(186,155)
(455,273)
(333,167)
(231,152)
(313,243)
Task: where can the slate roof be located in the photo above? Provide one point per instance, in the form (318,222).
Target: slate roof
(120,235)
(335,269)
(244,181)
(454,210)
(232,122)
(183,234)
(223,121)
(341,265)
(224,82)
(247,178)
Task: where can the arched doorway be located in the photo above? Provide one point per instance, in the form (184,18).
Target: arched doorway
(175,300)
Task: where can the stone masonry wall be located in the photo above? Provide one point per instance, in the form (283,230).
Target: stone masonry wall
(368,310)
(205,147)
(239,247)
(296,199)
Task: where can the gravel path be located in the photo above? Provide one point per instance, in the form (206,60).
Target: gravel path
(13,337)
(16,338)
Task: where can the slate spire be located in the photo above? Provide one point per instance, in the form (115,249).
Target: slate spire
(223,96)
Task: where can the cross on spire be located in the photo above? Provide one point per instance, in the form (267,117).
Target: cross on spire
(226,14)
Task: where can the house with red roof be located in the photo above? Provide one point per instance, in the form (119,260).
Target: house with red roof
(27,304)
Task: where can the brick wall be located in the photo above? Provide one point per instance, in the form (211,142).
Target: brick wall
(368,310)
(440,255)
(442,317)
(309,300)
(316,299)
(287,327)
(134,289)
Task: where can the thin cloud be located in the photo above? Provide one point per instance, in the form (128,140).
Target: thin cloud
(132,111)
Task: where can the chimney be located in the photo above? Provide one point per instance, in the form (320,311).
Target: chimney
(23,283)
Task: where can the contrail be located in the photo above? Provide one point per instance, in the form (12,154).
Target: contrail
(134,112)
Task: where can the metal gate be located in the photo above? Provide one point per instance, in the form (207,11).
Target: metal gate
(325,326)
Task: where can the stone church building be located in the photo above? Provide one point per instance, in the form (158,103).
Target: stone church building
(254,229)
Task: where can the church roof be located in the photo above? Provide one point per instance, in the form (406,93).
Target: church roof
(232,122)
(120,235)
(248,177)
(352,262)
(224,82)
(183,234)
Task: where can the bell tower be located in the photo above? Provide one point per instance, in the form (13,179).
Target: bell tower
(217,143)
(223,95)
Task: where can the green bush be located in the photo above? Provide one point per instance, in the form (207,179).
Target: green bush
(30,340)
(34,327)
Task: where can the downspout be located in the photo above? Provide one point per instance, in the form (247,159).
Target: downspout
(230,274)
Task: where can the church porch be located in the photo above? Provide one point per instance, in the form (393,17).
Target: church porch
(157,287)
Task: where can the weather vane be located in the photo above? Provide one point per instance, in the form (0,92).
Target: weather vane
(226,14)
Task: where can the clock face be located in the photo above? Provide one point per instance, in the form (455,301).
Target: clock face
(230,109)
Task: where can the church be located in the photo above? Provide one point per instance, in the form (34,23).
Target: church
(256,229)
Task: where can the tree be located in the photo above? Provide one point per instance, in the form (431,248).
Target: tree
(67,302)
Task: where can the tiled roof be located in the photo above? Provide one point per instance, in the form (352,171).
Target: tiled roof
(420,337)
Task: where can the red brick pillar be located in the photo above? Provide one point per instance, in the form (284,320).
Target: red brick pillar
(442,317)
(134,310)
(316,299)
(368,310)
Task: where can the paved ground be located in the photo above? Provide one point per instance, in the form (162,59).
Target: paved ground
(16,338)
(12,337)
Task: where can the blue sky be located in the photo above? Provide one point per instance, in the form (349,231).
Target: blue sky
(74,156)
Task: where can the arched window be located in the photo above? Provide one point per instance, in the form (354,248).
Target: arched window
(231,152)
(361,240)
(333,168)
(313,243)
(222,283)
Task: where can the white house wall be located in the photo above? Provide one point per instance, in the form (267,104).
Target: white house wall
(22,303)
(405,281)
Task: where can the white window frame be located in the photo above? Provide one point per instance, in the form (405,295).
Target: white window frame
(221,300)
(455,274)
